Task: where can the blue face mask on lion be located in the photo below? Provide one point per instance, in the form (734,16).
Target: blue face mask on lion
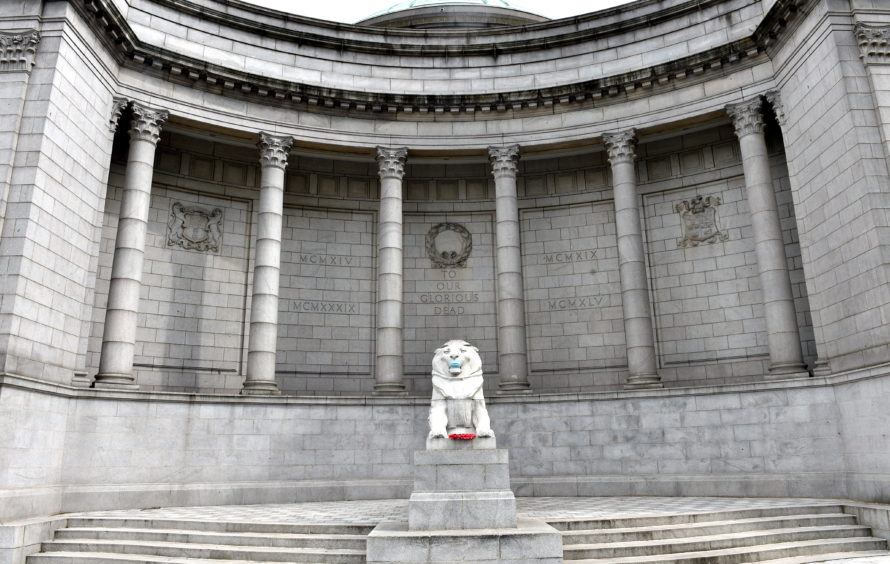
(458,405)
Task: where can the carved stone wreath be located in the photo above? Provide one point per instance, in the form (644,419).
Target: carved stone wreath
(194,228)
(449,258)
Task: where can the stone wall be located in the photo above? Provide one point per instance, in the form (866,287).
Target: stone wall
(328,288)
(444,301)
(50,228)
(807,438)
(707,304)
(573,297)
(192,304)
(830,110)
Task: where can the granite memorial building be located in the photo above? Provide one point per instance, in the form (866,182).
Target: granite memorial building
(231,238)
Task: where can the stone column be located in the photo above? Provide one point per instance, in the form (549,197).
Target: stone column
(821,366)
(512,352)
(263,344)
(638,334)
(389,370)
(81,377)
(119,337)
(778,304)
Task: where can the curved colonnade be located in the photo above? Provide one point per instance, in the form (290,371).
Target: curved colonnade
(244,232)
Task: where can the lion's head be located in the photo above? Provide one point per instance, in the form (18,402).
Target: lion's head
(457,359)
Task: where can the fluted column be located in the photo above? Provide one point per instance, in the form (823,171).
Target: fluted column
(778,303)
(389,372)
(638,334)
(119,337)
(512,351)
(263,343)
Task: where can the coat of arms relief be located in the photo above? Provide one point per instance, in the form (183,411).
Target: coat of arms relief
(699,221)
(195,228)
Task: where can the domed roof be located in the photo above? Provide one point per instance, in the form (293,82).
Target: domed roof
(444,14)
(421,3)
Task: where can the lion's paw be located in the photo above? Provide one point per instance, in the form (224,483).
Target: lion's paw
(437,434)
(484,433)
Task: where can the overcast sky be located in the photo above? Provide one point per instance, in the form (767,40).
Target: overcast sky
(351,11)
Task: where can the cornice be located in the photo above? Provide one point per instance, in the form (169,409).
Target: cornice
(199,74)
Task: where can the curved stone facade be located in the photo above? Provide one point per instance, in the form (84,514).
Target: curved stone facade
(231,237)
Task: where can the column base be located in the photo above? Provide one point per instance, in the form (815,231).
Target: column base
(81,380)
(787,370)
(514,388)
(260,388)
(115,382)
(643,382)
(821,368)
(389,389)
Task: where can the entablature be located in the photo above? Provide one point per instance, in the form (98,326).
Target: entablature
(202,74)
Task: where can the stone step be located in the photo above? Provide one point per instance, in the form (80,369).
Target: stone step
(656,520)
(681,530)
(289,540)
(207,551)
(713,542)
(761,553)
(874,557)
(113,558)
(225,526)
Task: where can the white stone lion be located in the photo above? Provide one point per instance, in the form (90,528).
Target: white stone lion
(458,405)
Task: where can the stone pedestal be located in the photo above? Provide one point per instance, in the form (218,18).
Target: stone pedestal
(462,510)
(532,541)
(461,489)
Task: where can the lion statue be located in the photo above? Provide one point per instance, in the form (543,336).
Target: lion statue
(458,405)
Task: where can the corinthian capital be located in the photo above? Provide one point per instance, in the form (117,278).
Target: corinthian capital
(117,108)
(874,43)
(391,162)
(746,117)
(274,150)
(18,50)
(504,160)
(621,145)
(147,122)
(775,100)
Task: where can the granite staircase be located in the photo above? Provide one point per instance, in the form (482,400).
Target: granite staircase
(151,541)
(799,534)
(777,535)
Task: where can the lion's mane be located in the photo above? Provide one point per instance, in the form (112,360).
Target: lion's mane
(467,384)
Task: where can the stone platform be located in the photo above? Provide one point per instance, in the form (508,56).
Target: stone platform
(668,526)
(531,540)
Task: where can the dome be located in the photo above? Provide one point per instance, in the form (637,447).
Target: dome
(463,14)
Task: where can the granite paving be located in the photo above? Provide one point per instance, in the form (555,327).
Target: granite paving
(375,511)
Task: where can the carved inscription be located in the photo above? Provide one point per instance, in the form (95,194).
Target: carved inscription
(324,307)
(450,296)
(578,303)
(327,260)
(571,256)
(699,221)
(195,228)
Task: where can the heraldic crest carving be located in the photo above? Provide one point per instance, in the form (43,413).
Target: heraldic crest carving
(194,228)
(698,218)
